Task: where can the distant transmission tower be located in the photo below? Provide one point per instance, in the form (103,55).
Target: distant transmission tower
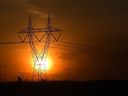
(39,57)
(68,73)
(2,74)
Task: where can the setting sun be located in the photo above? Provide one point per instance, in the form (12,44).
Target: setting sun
(42,63)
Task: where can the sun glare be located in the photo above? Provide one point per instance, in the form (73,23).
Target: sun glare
(44,64)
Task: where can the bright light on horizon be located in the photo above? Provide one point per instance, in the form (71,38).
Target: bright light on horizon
(44,64)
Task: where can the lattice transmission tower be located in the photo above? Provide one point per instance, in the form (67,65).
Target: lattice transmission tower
(39,57)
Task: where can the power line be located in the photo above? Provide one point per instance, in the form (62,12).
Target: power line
(75,47)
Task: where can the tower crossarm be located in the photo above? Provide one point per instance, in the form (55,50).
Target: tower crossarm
(51,29)
(33,30)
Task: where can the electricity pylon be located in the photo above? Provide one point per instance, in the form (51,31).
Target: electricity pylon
(1,73)
(39,57)
(68,73)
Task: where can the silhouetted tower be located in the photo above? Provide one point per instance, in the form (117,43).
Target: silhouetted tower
(2,73)
(49,33)
(39,57)
(68,74)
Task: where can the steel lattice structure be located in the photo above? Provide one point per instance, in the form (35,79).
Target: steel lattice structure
(39,57)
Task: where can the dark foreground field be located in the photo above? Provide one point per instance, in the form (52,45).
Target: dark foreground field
(65,88)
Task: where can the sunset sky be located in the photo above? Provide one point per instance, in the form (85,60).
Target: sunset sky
(91,23)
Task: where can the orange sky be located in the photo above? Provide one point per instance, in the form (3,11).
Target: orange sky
(96,24)
(20,60)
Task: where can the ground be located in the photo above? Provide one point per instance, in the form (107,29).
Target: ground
(64,88)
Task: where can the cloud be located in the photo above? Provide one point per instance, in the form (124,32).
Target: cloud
(85,7)
(18,7)
(95,22)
